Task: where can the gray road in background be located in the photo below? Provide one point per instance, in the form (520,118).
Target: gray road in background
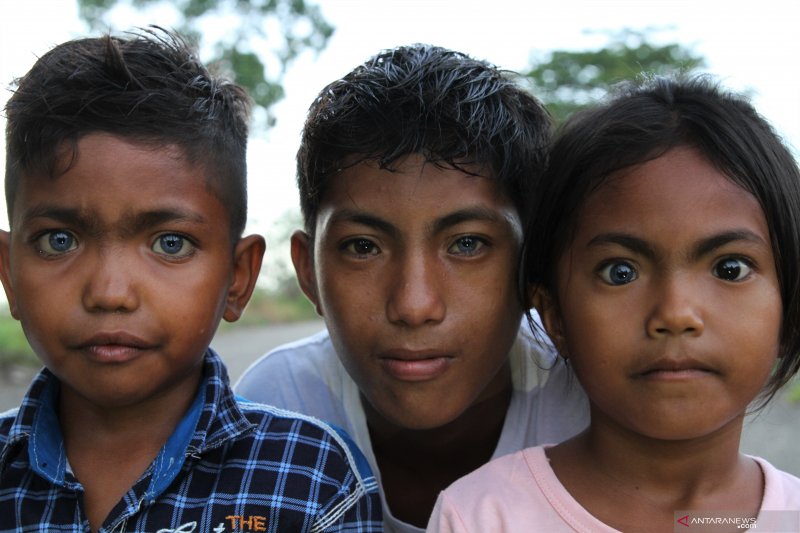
(239,348)
(773,434)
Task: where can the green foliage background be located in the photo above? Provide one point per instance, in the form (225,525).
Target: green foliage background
(265,33)
(567,80)
(14,347)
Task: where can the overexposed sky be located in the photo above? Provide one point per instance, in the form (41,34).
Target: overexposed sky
(750,45)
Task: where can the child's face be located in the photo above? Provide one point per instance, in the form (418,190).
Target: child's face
(120,270)
(414,272)
(668,300)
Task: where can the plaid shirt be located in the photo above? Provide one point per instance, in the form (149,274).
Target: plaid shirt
(229,466)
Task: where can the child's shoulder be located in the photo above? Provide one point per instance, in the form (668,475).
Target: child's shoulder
(781,489)
(256,453)
(16,424)
(263,434)
(296,429)
(505,477)
(267,419)
(299,454)
(6,422)
(518,488)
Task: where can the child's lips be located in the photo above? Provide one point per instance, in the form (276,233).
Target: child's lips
(668,369)
(415,366)
(118,347)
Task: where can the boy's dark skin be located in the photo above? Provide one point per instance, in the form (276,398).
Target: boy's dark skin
(414,173)
(415,464)
(122,257)
(111,327)
(429,284)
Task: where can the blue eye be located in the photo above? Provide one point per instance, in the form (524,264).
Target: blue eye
(173,245)
(361,247)
(618,273)
(56,242)
(732,269)
(467,245)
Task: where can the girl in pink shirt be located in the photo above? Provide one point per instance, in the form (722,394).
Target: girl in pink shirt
(665,253)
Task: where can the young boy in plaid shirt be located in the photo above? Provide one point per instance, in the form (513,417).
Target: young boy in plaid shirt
(125,184)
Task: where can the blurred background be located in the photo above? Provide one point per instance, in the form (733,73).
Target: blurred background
(569,52)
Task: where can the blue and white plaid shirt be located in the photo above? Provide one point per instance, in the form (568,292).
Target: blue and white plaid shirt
(230,466)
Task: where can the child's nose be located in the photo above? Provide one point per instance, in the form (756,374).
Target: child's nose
(110,284)
(676,310)
(415,297)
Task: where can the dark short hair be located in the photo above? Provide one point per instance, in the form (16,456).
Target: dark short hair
(453,110)
(147,87)
(642,121)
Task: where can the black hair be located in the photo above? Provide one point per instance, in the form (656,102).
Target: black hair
(644,120)
(147,87)
(457,112)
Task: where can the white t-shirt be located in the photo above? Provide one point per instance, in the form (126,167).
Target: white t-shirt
(547,403)
(521,493)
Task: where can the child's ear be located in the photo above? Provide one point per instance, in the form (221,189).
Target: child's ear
(247,257)
(303,260)
(547,307)
(5,271)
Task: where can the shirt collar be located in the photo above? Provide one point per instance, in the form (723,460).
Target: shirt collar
(213,418)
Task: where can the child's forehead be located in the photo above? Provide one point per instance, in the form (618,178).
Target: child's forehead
(416,199)
(673,187)
(98,154)
(119,146)
(665,166)
(103,170)
(415,170)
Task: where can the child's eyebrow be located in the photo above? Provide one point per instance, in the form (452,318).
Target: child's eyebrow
(476,213)
(129,223)
(635,244)
(364,219)
(700,249)
(68,216)
(141,221)
(466,215)
(710,244)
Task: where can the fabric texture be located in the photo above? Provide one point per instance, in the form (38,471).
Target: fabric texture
(547,404)
(230,465)
(521,493)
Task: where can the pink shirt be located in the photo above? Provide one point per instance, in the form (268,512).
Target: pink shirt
(520,492)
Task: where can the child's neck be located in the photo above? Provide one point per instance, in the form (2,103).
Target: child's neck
(415,465)
(109,448)
(644,481)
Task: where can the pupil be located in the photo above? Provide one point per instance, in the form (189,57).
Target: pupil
(621,273)
(171,243)
(60,241)
(729,269)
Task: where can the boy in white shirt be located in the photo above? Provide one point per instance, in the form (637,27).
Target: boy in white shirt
(416,171)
